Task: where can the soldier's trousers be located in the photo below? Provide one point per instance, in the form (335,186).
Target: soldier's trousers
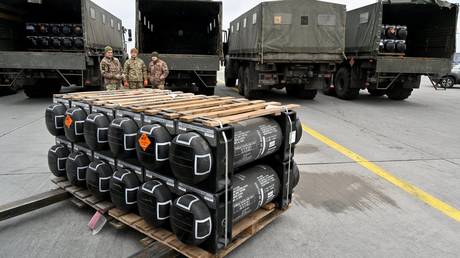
(158,86)
(112,86)
(136,85)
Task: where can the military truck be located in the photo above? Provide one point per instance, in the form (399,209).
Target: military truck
(390,44)
(48,43)
(188,36)
(285,44)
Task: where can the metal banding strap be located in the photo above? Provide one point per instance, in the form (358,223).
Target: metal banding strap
(288,188)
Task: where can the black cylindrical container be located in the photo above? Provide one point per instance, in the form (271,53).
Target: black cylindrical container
(78,42)
(74,124)
(76,166)
(152,146)
(56,42)
(57,158)
(252,188)
(295,176)
(96,130)
(66,29)
(31,28)
(400,46)
(402,32)
(32,41)
(56,29)
(44,42)
(390,46)
(391,32)
(122,137)
(77,30)
(191,157)
(67,43)
(124,186)
(154,202)
(98,177)
(54,118)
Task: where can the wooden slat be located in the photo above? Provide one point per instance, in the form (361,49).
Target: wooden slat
(270,110)
(82,194)
(130,218)
(229,112)
(104,207)
(116,213)
(32,203)
(219,108)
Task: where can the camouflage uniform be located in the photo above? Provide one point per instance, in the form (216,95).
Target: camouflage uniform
(136,73)
(158,73)
(112,73)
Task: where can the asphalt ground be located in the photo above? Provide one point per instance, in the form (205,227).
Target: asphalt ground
(378,178)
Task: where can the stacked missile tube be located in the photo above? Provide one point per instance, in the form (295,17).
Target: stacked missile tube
(189,163)
(393,39)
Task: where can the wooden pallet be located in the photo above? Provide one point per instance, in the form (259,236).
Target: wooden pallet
(210,111)
(241,231)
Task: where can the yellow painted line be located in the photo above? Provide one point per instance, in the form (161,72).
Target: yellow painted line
(418,193)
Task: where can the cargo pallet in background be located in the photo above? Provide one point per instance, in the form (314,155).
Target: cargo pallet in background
(241,231)
(212,117)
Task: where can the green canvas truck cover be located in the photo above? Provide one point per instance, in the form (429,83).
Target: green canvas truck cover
(431,27)
(290,27)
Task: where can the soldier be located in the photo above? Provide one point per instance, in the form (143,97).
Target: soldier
(135,72)
(111,70)
(158,72)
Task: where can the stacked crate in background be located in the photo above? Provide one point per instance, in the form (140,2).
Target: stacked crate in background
(192,164)
(393,39)
(54,36)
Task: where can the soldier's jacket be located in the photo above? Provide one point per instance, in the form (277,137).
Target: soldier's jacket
(158,72)
(111,70)
(135,70)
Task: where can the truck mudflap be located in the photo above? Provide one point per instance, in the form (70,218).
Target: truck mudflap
(42,60)
(413,65)
(184,62)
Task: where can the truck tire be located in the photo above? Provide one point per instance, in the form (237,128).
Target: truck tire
(343,85)
(241,80)
(32,92)
(229,82)
(447,82)
(376,93)
(397,92)
(248,84)
(298,92)
(208,91)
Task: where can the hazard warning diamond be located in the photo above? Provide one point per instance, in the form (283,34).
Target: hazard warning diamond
(68,121)
(144,141)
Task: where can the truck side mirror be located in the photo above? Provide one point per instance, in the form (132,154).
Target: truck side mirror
(130,35)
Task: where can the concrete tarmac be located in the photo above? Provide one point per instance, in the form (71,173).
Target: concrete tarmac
(340,209)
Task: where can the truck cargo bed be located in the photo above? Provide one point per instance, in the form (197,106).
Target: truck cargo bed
(179,27)
(42,60)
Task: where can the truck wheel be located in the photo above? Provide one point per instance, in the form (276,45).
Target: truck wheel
(447,82)
(208,91)
(241,80)
(343,85)
(229,82)
(298,92)
(32,92)
(376,93)
(398,92)
(248,85)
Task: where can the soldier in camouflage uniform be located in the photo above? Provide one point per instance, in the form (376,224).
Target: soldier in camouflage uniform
(111,70)
(135,72)
(159,71)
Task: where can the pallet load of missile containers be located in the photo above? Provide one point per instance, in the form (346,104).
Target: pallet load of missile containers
(189,164)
